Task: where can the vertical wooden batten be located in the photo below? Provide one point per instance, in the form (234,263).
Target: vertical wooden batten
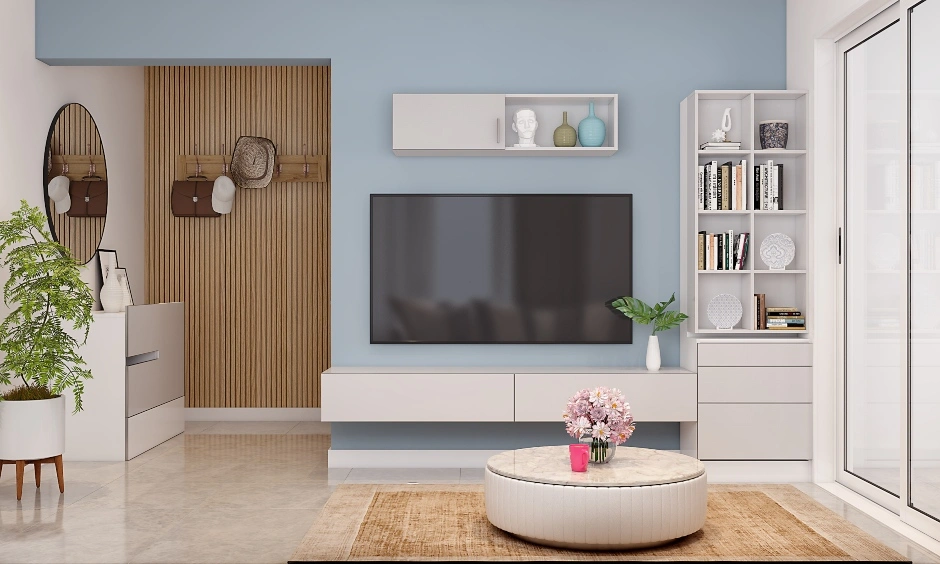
(255,282)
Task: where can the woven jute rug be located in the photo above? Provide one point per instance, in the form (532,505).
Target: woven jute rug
(448,522)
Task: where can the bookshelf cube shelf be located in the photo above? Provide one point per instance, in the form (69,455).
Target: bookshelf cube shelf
(700,115)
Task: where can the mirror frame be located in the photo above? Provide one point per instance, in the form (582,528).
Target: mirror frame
(46,160)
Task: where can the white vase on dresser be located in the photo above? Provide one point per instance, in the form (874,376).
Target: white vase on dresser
(112,294)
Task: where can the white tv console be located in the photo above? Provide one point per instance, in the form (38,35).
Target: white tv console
(498,394)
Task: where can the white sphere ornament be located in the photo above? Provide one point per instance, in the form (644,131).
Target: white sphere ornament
(718,136)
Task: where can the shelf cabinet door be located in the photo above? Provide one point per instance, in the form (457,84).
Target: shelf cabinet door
(448,121)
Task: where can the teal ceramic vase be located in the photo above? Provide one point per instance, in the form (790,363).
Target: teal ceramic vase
(591,130)
(565,135)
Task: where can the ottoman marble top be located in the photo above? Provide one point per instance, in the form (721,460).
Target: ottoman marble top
(629,467)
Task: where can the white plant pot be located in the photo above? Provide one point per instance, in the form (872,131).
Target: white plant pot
(653,360)
(30,430)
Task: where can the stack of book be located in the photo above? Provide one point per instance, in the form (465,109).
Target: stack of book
(722,187)
(785,318)
(722,251)
(721,145)
(768,186)
(777,318)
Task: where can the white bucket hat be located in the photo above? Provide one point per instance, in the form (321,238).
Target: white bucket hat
(223,195)
(59,193)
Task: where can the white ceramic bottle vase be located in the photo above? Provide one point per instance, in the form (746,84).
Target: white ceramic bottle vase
(111,295)
(653,360)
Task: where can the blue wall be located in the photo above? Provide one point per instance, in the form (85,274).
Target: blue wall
(652,53)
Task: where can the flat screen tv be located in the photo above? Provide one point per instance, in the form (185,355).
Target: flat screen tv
(500,268)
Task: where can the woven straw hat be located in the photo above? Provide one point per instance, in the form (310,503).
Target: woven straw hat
(253,162)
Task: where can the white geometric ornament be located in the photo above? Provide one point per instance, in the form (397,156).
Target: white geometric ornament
(777,251)
(724,311)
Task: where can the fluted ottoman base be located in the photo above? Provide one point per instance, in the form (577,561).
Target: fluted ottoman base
(590,516)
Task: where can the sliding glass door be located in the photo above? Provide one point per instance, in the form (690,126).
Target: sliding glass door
(924,293)
(889,86)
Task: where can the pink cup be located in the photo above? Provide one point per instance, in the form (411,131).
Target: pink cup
(579,457)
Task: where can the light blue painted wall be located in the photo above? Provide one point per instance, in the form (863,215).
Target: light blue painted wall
(652,53)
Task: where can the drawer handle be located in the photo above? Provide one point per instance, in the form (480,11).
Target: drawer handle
(142,358)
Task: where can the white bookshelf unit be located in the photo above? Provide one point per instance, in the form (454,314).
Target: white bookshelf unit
(701,114)
(481,124)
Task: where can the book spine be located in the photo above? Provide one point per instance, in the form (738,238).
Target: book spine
(771,186)
(721,251)
(701,250)
(744,184)
(713,183)
(780,187)
(718,188)
(726,186)
(756,187)
(740,246)
(701,187)
(729,253)
(764,188)
(710,251)
(734,188)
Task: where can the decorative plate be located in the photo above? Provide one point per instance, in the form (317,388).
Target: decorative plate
(724,311)
(777,251)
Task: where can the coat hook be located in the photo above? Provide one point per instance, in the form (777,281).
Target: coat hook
(306,166)
(65,162)
(196,153)
(91,162)
(224,164)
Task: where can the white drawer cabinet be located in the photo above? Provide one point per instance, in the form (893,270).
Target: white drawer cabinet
(136,396)
(755,431)
(448,121)
(658,396)
(755,401)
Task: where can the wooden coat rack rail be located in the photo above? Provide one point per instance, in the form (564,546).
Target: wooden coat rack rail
(287,168)
(78,166)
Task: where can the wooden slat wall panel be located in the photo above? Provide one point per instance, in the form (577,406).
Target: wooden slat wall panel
(75,133)
(256,281)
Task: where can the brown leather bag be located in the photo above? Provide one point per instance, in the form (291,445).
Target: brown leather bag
(89,198)
(192,198)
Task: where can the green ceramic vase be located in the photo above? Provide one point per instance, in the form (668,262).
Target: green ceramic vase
(565,135)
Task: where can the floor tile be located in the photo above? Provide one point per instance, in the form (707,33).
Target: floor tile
(196,427)
(403,476)
(251,428)
(311,428)
(471,475)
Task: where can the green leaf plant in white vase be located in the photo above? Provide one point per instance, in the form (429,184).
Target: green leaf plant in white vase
(44,291)
(642,313)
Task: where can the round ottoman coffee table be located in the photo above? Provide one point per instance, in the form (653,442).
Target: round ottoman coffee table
(642,497)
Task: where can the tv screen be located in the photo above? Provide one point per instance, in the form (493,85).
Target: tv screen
(500,268)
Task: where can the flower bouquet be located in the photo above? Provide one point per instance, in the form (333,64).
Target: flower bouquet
(600,416)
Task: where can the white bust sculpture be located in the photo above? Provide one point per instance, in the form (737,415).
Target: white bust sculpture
(524,123)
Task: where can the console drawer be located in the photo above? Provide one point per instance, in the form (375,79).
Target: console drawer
(152,383)
(755,354)
(755,384)
(755,431)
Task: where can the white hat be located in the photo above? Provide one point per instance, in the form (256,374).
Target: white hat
(223,194)
(59,192)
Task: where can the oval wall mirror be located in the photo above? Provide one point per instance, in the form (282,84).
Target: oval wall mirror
(75,182)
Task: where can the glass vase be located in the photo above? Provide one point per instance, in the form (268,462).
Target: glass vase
(601,451)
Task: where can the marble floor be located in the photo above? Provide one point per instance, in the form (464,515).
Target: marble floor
(223,492)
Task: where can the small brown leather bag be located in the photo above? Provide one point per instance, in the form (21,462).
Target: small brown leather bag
(89,198)
(192,198)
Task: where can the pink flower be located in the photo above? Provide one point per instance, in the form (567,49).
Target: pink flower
(600,431)
(599,396)
(599,413)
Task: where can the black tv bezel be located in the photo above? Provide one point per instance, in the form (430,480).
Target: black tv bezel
(627,291)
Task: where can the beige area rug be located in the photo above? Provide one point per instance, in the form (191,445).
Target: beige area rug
(448,522)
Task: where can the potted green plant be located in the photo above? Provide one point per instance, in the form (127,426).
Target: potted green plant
(44,292)
(639,311)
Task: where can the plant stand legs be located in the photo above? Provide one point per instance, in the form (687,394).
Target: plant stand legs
(37,465)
